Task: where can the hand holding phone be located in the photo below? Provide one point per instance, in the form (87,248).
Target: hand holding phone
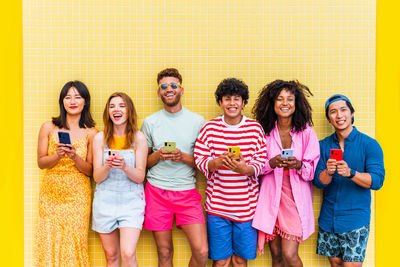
(112,155)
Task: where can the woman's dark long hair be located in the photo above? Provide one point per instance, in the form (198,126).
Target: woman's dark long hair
(264,112)
(86,120)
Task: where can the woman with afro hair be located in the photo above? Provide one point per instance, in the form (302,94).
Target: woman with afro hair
(284,214)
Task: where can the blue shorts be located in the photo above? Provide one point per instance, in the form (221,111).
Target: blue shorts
(349,246)
(226,237)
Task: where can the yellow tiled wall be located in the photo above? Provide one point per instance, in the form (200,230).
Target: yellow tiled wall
(121,45)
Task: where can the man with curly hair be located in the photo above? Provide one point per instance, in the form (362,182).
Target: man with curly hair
(232,178)
(351,164)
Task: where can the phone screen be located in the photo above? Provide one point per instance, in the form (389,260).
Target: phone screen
(64,138)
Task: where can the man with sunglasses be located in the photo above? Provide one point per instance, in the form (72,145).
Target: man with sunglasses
(351,164)
(171,190)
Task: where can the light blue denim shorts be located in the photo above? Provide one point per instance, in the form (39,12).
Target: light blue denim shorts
(118,208)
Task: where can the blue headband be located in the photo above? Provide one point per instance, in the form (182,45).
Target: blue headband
(336,97)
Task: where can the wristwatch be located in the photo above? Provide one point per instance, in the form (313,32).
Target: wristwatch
(352,173)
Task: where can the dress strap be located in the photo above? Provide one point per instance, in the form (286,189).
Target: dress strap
(87,134)
(52,133)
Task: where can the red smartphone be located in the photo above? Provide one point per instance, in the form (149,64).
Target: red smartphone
(337,154)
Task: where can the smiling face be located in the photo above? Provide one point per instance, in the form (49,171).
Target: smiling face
(170,97)
(285,104)
(73,102)
(118,111)
(232,106)
(340,116)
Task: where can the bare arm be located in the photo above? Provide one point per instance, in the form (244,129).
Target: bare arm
(178,155)
(100,171)
(326,175)
(84,166)
(87,166)
(362,179)
(217,163)
(44,160)
(138,172)
(238,165)
(153,158)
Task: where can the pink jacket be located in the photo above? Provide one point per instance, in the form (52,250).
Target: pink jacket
(306,148)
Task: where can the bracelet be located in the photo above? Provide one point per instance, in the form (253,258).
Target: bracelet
(301,164)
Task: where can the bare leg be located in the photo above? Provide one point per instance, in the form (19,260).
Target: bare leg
(335,262)
(238,261)
(165,247)
(129,238)
(352,264)
(275,246)
(290,252)
(222,263)
(110,244)
(197,236)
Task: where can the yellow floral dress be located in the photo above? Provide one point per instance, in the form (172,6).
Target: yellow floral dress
(64,210)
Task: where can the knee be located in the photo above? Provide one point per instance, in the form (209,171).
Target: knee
(238,261)
(165,253)
(128,255)
(222,263)
(112,256)
(291,257)
(201,254)
(276,253)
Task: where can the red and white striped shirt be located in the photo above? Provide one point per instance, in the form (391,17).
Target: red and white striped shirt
(229,194)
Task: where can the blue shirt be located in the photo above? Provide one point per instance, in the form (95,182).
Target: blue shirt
(346,206)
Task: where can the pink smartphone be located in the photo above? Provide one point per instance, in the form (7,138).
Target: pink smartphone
(113,153)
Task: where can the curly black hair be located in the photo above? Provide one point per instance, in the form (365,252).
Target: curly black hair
(263,109)
(231,87)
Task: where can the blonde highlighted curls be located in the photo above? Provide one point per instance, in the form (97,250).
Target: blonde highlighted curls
(131,126)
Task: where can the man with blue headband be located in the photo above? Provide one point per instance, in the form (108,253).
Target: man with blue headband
(351,164)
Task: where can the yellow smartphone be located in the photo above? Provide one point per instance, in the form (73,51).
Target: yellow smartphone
(235,150)
(169,146)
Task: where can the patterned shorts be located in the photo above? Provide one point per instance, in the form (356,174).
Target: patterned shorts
(349,246)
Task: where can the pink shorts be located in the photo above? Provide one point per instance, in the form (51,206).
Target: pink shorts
(162,205)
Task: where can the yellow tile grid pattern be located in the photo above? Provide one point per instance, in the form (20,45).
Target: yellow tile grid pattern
(121,45)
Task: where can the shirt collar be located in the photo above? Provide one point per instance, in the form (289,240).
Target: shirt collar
(350,137)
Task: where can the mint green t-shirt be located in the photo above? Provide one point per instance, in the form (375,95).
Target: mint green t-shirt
(181,127)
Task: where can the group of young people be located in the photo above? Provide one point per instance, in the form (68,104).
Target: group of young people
(260,174)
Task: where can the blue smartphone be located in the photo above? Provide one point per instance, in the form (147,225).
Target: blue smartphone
(63,137)
(286,153)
